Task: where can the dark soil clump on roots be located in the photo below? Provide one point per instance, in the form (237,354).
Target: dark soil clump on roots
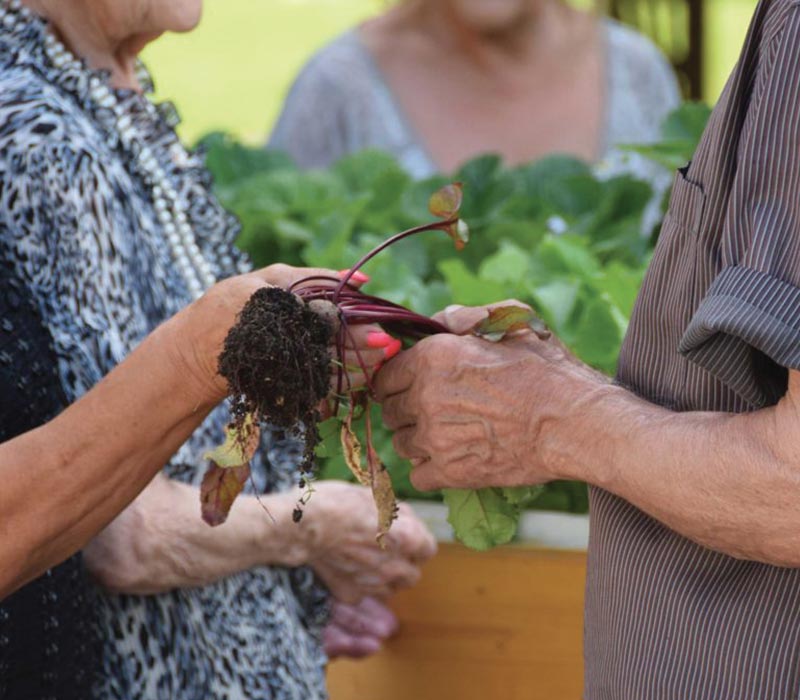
(277,362)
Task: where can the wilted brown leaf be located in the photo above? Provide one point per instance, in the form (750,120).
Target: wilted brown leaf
(381,484)
(385,501)
(351,447)
(220,487)
(446,202)
(228,471)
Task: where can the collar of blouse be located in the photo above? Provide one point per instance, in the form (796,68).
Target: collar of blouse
(115,111)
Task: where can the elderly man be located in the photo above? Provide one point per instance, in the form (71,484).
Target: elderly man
(693,453)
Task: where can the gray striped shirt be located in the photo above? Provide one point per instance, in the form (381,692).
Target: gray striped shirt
(715,328)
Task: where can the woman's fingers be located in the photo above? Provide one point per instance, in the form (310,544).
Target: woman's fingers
(344,552)
(367,347)
(400,574)
(282,275)
(412,537)
(372,339)
(368,617)
(356,279)
(337,642)
(384,621)
(358,630)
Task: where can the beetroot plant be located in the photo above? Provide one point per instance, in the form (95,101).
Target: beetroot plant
(288,348)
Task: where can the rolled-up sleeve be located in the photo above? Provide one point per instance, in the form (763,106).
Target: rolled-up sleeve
(750,313)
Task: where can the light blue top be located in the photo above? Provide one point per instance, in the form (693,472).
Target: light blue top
(341,103)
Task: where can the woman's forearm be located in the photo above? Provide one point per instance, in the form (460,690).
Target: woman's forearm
(160,542)
(66,480)
(729,482)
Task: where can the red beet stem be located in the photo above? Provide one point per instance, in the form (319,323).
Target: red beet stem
(435,226)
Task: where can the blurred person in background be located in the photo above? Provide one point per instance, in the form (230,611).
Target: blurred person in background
(437,82)
(108,228)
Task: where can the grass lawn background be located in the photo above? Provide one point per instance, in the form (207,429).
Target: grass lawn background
(233,71)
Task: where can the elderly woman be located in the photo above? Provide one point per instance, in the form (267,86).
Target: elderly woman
(108,228)
(438,82)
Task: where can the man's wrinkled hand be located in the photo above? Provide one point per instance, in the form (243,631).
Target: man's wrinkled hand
(469,413)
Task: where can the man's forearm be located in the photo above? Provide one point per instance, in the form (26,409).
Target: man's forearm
(470,414)
(728,482)
(66,480)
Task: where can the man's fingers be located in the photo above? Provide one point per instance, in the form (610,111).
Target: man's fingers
(424,476)
(460,320)
(396,376)
(397,412)
(404,444)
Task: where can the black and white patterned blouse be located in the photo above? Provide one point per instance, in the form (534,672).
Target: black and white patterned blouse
(81,232)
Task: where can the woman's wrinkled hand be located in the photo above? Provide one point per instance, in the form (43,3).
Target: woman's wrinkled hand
(338,529)
(197,334)
(359,630)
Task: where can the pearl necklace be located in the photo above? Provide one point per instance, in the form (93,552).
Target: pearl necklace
(186,254)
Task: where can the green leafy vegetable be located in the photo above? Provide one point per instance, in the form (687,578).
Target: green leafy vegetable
(483,518)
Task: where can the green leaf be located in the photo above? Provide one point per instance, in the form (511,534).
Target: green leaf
(509,265)
(622,284)
(230,161)
(481,519)
(333,234)
(487,187)
(680,134)
(556,301)
(522,495)
(568,254)
(574,196)
(687,122)
(671,155)
(466,288)
(291,230)
(375,172)
(553,167)
(599,334)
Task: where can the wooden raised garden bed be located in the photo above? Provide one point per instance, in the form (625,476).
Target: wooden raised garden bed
(505,624)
